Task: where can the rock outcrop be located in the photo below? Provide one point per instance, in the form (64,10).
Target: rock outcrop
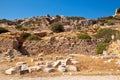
(8,42)
(117,13)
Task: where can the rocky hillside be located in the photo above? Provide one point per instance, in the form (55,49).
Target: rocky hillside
(57,34)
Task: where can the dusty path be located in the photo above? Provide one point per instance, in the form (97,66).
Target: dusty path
(67,77)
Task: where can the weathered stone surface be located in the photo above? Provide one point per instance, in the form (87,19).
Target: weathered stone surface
(34,68)
(48,70)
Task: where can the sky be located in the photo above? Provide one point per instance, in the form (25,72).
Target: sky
(17,9)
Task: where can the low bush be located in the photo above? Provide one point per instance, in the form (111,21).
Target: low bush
(101,47)
(33,38)
(57,27)
(25,35)
(83,36)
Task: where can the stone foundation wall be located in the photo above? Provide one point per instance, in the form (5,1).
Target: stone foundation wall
(61,45)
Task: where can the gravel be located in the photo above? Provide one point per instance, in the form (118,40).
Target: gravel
(67,77)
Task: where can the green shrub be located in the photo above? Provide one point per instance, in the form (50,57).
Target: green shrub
(106,34)
(101,47)
(57,27)
(33,38)
(25,35)
(83,36)
(3,30)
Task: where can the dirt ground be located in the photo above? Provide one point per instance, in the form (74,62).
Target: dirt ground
(90,68)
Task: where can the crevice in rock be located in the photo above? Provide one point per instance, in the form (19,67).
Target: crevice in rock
(21,48)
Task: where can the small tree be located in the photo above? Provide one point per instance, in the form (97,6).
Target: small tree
(57,27)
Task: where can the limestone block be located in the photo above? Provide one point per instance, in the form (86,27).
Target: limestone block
(10,71)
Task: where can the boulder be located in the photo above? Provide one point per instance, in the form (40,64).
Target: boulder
(48,70)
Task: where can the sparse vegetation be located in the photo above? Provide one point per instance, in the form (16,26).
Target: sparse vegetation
(3,30)
(25,35)
(83,36)
(57,27)
(75,18)
(101,47)
(106,34)
(33,38)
